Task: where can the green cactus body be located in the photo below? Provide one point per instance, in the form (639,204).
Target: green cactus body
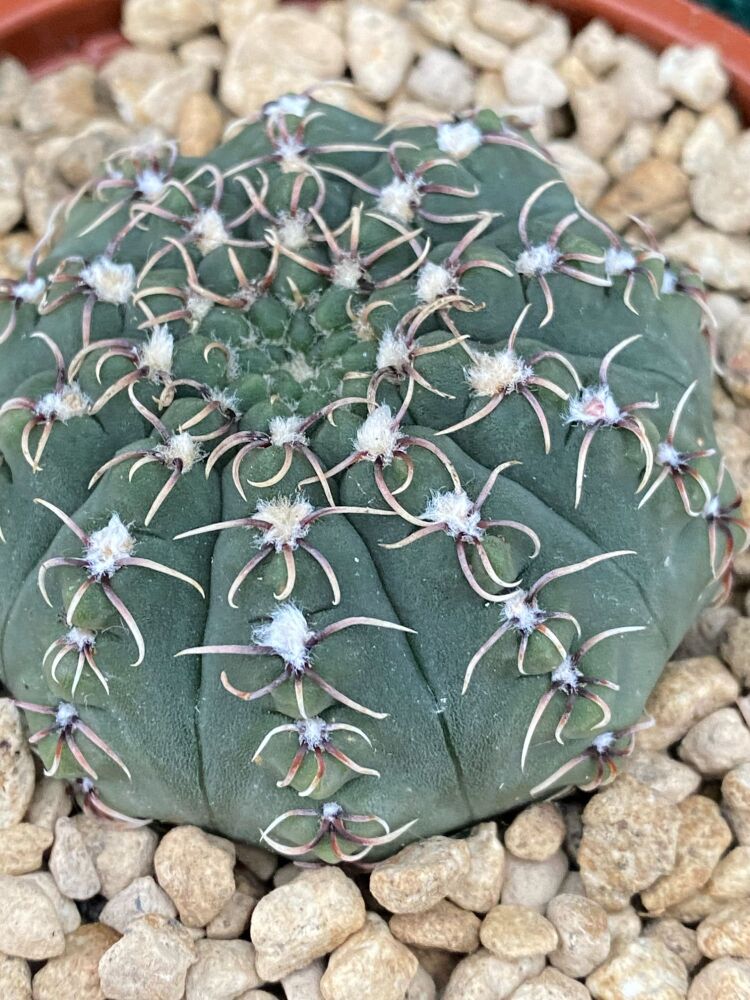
(322,489)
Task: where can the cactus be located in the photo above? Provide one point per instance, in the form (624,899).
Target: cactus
(356,485)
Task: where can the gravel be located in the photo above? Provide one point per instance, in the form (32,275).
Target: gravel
(641,890)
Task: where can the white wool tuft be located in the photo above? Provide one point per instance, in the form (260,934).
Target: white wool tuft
(110,282)
(81,638)
(398,198)
(199,307)
(227,400)
(604,742)
(300,368)
(292,231)
(291,154)
(393,352)
(313,733)
(668,282)
(182,448)
(456,510)
(712,508)
(331,810)
(107,547)
(29,291)
(347,273)
(65,715)
(567,675)
(377,437)
(492,374)
(286,430)
(537,260)
(595,405)
(459,139)
(284,516)
(523,615)
(434,282)
(64,404)
(289,104)
(150,183)
(667,454)
(618,261)
(287,634)
(158,352)
(208,231)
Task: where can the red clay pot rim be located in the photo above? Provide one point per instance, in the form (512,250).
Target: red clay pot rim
(47,33)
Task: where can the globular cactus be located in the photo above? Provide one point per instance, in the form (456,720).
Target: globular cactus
(356,485)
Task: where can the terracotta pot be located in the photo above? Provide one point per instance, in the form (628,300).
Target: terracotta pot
(46,33)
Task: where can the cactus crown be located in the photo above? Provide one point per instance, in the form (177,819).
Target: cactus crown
(370,471)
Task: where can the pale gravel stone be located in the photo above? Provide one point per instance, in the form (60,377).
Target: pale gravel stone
(344,95)
(511,21)
(14,84)
(726,977)
(422,986)
(16,766)
(731,876)
(735,646)
(260,863)
(444,926)
(721,195)
(480,887)
(64,100)
(726,933)
(167,23)
(233,919)
(371,965)
(706,143)
(379,50)
(439,965)
(285,874)
(530,81)
(484,976)
(670,778)
(600,117)
(490,91)
(205,51)
(533,883)
(634,148)
(687,691)
(196,872)
(641,970)
(441,19)
(629,840)
(149,962)
(420,875)
(516,932)
(301,921)
(654,186)
(536,833)
(575,73)
(442,80)
(29,925)
(51,801)
(15,974)
(22,848)
(702,839)
(142,896)
(234,16)
(66,910)
(15,252)
(717,743)
(584,938)
(222,969)
(596,46)
(74,975)
(671,139)
(277,52)
(71,864)
(304,984)
(480,49)
(572,886)
(695,908)
(636,77)
(200,124)
(678,938)
(549,43)
(724,261)
(551,985)
(119,855)
(694,76)
(624,926)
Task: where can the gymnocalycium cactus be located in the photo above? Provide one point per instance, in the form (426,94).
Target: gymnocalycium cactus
(356,484)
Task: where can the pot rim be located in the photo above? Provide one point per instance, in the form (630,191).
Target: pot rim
(89,29)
